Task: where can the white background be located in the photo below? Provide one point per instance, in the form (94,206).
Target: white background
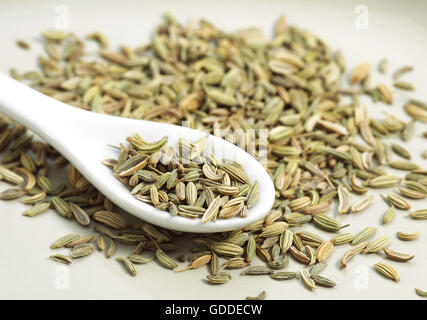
(397,30)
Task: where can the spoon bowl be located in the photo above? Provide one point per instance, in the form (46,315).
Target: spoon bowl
(85,139)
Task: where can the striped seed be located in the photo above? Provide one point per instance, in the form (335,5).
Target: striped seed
(11,194)
(111,219)
(387,271)
(350,254)
(61,206)
(37,209)
(323,281)
(35,198)
(10,176)
(398,202)
(111,249)
(408,236)
(362,204)
(396,256)
(60,258)
(324,250)
(419,214)
(284,275)
(364,235)
(307,280)
(389,215)
(61,242)
(212,210)
(377,245)
(130,267)
(79,214)
(79,241)
(327,223)
(165,260)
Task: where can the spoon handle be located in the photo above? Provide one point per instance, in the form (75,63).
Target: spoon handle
(43,115)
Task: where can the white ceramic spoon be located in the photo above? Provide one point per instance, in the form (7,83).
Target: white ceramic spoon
(83,138)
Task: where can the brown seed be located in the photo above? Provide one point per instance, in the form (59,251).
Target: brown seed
(387,271)
(79,214)
(111,219)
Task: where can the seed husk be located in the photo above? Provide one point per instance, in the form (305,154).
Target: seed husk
(309,236)
(344,200)
(191,193)
(111,219)
(421,293)
(317,268)
(360,73)
(299,255)
(138,259)
(307,280)
(61,242)
(389,215)
(100,242)
(382,65)
(165,260)
(412,194)
(154,195)
(23,44)
(377,245)
(405,236)
(235,173)
(263,254)
(401,151)
(384,181)
(79,214)
(45,184)
(79,241)
(29,178)
(197,263)
(218,278)
(416,112)
(284,275)
(398,202)
(274,229)
(285,241)
(419,214)
(350,254)
(234,263)
(387,271)
(60,258)
(362,204)
(61,206)
(364,235)
(396,256)
(323,281)
(324,250)
(212,210)
(35,198)
(130,267)
(10,176)
(386,93)
(257,270)
(261,296)
(300,203)
(11,194)
(37,209)
(401,71)
(111,248)
(403,165)
(327,223)
(343,239)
